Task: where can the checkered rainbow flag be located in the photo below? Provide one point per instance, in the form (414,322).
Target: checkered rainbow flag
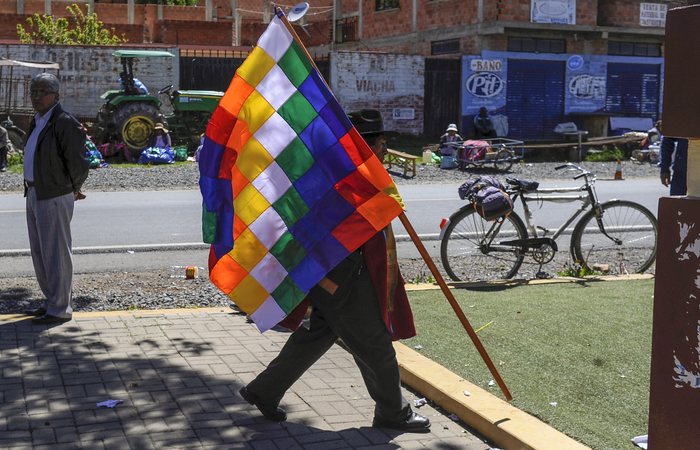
(289,186)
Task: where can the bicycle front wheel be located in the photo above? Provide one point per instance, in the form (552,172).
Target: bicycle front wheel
(625,243)
(471,248)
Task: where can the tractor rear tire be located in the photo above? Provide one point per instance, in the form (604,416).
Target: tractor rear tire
(135,123)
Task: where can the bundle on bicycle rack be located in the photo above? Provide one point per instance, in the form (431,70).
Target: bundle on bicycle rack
(488,195)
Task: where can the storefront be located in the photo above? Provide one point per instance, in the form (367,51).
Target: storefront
(538,91)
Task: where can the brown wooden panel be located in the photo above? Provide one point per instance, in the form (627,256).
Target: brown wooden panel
(682,63)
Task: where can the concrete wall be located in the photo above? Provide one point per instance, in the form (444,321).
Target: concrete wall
(390,83)
(88,71)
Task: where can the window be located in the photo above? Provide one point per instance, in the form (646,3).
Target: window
(387,4)
(445,47)
(633,49)
(536,45)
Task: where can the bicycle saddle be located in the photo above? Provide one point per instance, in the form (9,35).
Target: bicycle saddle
(523,185)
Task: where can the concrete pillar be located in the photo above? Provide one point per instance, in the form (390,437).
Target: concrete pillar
(238,17)
(47,7)
(209,12)
(480,11)
(159,11)
(359,22)
(20,6)
(414,6)
(130,11)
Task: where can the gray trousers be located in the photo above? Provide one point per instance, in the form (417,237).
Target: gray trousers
(48,223)
(360,326)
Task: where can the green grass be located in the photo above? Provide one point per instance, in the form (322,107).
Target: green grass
(585,346)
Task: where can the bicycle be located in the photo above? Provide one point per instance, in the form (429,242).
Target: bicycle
(616,236)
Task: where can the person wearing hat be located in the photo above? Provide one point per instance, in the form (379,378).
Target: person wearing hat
(449,137)
(483,126)
(160,137)
(363,302)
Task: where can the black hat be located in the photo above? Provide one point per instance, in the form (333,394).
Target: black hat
(369,121)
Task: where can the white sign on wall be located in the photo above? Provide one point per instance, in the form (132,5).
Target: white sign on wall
(553,11)
(486,65)
(652,15)
(404,113)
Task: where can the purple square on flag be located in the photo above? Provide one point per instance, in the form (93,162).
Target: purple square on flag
(333,116)
(336,163)
(308,231)
(307,273)
(329,252)
(311,91)
(221,250)
(318,137)
(224,227)
(313,185)
(332,209)
(210,158)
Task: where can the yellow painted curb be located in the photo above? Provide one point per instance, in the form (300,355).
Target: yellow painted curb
(497,420)
(526,282)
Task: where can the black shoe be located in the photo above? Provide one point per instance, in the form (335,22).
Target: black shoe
(414,423)
(273,414)
(48,319)
(35,312)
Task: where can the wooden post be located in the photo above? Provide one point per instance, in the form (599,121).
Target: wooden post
(674,401)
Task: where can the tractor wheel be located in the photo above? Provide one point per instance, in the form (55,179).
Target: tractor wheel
(135,123)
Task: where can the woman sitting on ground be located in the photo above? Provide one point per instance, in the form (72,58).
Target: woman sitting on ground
(160,137)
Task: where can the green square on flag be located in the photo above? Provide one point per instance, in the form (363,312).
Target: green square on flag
(295,65)
(298,112)
(288,295)
(291,207)
(295,160)
(288,251)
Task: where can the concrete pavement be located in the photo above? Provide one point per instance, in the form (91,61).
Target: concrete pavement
(177,373)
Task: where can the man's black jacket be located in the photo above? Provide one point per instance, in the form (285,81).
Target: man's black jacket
(61,164)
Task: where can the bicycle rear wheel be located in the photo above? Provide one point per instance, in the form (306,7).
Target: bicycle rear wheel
(635,228)
(471,249)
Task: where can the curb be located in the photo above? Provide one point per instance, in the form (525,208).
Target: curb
(495,419)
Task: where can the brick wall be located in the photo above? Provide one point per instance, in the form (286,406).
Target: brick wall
(88,71)
(587,12)
(191,32)
(385,23)
(443,14)
(8,25)
(383,82)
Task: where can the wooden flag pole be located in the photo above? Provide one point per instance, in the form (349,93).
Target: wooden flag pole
(455,306)
(426,257)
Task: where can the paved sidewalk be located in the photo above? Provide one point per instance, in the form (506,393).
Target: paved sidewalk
(178,374)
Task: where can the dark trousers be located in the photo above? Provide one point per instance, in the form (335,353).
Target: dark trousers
(360,326)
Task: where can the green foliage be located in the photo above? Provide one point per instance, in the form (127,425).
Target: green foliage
(15,160)
(609,153)
(87,30)
(421,278)
(576,270)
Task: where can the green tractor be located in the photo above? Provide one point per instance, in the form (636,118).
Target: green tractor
(131,115)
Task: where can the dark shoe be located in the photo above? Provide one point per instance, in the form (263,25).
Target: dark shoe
(48,319)
(273,414)
(35,312)
(413,424)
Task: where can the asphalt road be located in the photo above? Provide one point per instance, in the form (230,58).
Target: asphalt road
(163,228)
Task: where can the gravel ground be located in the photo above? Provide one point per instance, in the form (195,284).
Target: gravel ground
(156,289)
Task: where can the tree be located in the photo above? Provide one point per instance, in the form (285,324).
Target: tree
(87,30)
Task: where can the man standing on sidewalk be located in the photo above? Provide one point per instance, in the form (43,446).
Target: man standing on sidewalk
(361,301)
(55,168)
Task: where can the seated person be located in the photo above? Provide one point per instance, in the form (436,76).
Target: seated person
(450,136)
(160,137)
(483,126)
(653,136)
(135,87)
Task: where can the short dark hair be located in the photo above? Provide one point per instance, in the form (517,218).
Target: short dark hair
(371,139)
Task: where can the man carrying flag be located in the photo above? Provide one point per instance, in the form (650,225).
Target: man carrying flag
(362,301)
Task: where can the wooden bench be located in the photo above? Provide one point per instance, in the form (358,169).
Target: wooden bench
(396,157)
